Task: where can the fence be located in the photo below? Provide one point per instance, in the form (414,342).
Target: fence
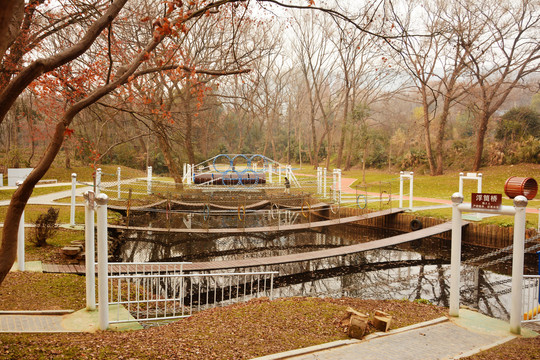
(531,301)
(173,294)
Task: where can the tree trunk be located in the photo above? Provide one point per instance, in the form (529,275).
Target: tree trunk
(480,136)
(169,161)
(350,148)
(8,248)
(329,149)
(427,134)
(189,127)
(315,148)
(343,129)
(439,144)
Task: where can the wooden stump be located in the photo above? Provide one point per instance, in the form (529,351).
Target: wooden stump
(356,323)
(358,326)
(381,321)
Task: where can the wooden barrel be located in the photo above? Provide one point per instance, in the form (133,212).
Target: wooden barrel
(525,186)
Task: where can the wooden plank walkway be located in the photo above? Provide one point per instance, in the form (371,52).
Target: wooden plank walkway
(276,228)
(284,259)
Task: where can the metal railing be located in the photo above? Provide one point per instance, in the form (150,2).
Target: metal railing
(173,295)
(531,298)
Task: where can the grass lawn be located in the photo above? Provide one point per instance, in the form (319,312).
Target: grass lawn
(5,194)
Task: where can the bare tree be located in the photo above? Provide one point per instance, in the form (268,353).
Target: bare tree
(504,54)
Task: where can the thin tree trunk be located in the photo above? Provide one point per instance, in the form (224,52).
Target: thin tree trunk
(439,145)
(343,129)
(427,134)
(480,136)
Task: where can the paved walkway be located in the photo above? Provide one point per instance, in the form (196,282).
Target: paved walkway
(442,338)
(62,321)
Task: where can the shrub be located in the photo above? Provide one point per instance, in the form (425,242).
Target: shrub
(45,227)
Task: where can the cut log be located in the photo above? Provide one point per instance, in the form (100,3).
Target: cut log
(358,325)
(346,320)
(381,321)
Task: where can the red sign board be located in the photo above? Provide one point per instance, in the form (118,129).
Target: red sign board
(486,201)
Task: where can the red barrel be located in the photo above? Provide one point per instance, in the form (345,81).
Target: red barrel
(515,186)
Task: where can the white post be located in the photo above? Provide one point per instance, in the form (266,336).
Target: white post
(279,174)
(89,250)
(324,182)
(1,180)
(411,181)
(72,209)
(520,203)
(339,185)
(460,183)
(334,185)
(98,180)
(401,189)
(455,258)
(270,173)
(20,240)
(149,180)
(118,180)
(103,287)
(479,185)
(188,174)
(319,182)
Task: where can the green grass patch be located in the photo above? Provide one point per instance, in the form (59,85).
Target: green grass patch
(6,194)
(84,173)
(502,220)
(442,187)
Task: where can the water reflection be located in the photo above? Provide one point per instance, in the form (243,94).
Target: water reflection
(415,270)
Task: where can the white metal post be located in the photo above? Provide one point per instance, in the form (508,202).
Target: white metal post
(401,189)
(324,181)
(270,173)
(411,181)
(188,174)
(339,185)
(118,180)
(1,180)
(479,185)
(520,203)
(103,287)
(192,174)
(319,182)
(89,250)
(72,209)
(149,180)
(334,185)
(20,240)
(455,257)
(98,181)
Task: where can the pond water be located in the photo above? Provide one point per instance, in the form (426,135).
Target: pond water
(415,270)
